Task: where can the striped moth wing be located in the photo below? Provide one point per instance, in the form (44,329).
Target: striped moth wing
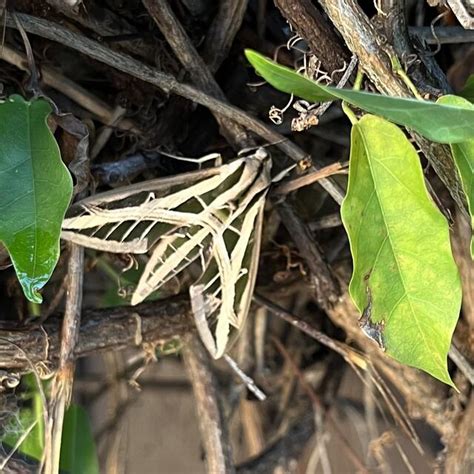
(211,217)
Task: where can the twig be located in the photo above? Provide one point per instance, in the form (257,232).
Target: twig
(318,406)
(61,389)
(444,34)
(185,51)
(301,325)
(104,22)
(374,56)
(462,363)
(106,132)
(101,330)
(214,434)
(248,381)
(326,222)
(310,24)
(166,83)
(310,178)
(396,30)
(326,287)
(463,12)
(222,32)
(53,78)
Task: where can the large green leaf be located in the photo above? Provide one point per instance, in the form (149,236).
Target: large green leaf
(439,122)
(468,89)
(35,190)
(78,450)
(463,154)
(405,279)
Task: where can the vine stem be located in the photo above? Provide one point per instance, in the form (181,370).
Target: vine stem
(398,69)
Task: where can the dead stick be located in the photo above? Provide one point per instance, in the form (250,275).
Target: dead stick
(310,178)
(61,390)
(326,286)
(310,24)
(166,83)
(100,330)
(214,434)
(318,406)
(53,78)
(185,51)
(222,31)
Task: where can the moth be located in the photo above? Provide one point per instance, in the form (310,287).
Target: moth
(212,218)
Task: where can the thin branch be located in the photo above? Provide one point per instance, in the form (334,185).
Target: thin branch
(53,78)
(310,178)
(318,408)
(462,363)
(396,30)
(326,286)
(101,330)
(301,325)
(104,23)
(222,32)
(444,34)
(375,56)
(166,83)
(61,389)
(310,24)
(185,51)
(214,435)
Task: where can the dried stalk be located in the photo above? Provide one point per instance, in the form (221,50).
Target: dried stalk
(212,425)
(53,78)
(101,330)
(310,178)
(185,51)
(61,389)
(310,24)
(326,286)
(165,82)
(222,32)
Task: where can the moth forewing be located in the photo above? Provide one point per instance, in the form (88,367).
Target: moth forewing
(246,275)
(215,215)
(136,246)
(247,258)
(160,268)
(93,218)
(242,234)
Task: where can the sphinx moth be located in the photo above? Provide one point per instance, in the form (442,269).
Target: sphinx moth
(210,218)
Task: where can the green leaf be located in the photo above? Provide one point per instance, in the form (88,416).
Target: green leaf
(463,154)
(468,89)
(35,190)
(405,278)
(78,450)
(439,122)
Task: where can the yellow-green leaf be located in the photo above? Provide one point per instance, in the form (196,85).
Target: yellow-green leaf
(439,122)
(35,190)
(463,154)
(405,280)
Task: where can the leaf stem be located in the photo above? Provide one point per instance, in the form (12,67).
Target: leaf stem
(358,79)
(398,69)
(35,308)
(348,111)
